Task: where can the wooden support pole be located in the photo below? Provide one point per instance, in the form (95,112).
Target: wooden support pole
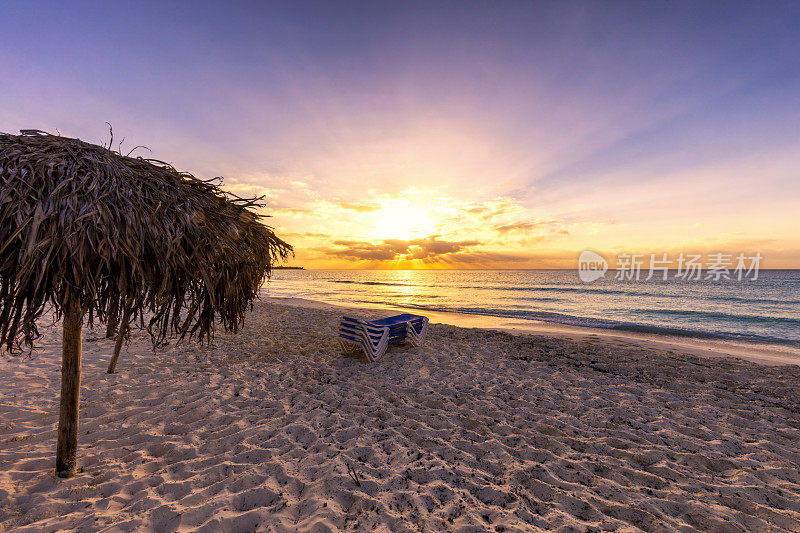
(123,330)
(67,446)
(113,319)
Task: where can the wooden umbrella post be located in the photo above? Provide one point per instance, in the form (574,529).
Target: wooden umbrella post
(67,447)
(113,319)
(123,330)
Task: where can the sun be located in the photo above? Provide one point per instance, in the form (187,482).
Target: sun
(401,219)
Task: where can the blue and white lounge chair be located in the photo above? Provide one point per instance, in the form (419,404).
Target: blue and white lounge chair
(375,337)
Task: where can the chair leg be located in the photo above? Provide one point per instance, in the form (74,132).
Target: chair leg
(382,346)
(414,337)
(378,349)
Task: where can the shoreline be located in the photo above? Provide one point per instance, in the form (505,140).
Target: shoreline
(764,354)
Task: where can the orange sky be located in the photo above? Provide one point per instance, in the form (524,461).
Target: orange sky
(441,225)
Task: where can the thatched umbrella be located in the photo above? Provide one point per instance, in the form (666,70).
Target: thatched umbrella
(85,230)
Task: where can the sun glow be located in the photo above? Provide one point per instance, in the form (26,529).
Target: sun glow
(400,219)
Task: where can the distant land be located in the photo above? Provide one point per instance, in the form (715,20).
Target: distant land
(287,268)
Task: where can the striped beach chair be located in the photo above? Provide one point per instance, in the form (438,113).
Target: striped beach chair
(375,337)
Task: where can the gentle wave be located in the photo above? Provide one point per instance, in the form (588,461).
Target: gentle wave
(577,290)
(722,316)
(384,283)
(590,322)
(487,287)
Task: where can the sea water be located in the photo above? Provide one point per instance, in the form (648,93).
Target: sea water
(765,310)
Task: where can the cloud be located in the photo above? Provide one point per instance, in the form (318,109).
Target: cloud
(488,258)
(428,250)
(308,235)
(366,251)
(494,208)
(358,208)
(291,211)
(525,227)
(430,247)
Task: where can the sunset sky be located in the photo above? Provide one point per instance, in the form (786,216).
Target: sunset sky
(447,134)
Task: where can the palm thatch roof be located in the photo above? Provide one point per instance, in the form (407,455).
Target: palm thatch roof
(80,219)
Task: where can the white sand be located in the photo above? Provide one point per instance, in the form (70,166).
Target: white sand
(478,430)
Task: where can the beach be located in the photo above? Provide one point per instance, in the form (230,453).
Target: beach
(273,429)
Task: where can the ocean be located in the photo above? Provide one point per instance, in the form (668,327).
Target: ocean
(766,310)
